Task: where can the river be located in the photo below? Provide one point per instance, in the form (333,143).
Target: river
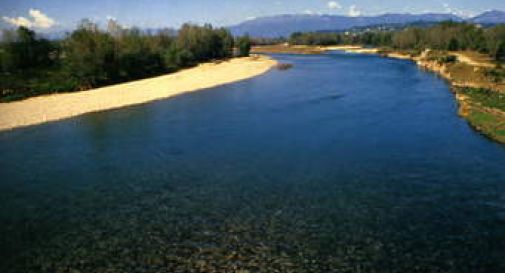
(344,163)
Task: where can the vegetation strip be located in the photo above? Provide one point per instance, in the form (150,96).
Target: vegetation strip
(90,57)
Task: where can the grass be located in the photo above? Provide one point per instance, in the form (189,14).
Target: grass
(488,124)
(484,113)
(485,97)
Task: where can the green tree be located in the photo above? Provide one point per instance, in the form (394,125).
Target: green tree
(90,56)
(453,44)
(137,57)
(244,46)
(175,58)
(227,43)
(22,51)
(499,54)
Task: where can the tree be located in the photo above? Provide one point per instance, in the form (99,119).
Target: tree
(244,46)
(90,56)
(409,38)
(499,54)
(453,45)
(175,58)
(227,43)
(22,50)
(137,57)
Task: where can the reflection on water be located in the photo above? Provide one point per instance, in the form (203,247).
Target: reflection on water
(344,163)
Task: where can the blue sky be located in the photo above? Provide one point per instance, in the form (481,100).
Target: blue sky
(64,14)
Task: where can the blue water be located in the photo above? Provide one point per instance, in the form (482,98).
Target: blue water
(345,163)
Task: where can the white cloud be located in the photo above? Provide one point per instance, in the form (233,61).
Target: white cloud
(308,12)
(41,20)
(334,5)
(19,21)
(37,20)
(354,11)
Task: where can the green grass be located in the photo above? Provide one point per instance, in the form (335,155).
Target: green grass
(491,124)
(488,124)
(486,98)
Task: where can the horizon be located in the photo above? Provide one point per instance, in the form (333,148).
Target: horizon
(57,15)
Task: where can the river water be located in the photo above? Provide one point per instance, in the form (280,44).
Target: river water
(344,163)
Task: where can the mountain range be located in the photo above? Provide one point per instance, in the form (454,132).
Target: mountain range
(284,25)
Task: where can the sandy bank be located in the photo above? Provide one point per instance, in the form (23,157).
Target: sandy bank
(400,56)
(288,49)
(353,49)
(311,49)
(43,109)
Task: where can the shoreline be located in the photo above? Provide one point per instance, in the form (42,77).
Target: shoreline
(463,74)
(486,120)
(54,107)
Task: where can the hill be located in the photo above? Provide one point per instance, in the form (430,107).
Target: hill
(284,25)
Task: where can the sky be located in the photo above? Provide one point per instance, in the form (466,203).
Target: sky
(51,15)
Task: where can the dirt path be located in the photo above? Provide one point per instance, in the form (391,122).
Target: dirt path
(465,58)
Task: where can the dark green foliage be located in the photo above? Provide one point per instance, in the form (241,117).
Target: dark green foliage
(22,51)
(139,55)
(89,57)
(449,36)
(176,57)
(244,46)
(268,41)
(325,39)
(495,42)
(499,54)
(453,44)
(205,43)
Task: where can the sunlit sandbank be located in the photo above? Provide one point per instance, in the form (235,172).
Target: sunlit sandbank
(60,106)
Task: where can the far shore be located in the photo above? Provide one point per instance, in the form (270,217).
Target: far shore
(55,107)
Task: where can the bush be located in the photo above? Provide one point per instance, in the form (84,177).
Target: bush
(496,75)
(448,59)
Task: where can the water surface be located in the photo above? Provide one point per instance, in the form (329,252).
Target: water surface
(345,163)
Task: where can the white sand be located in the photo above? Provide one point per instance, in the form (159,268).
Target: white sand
(43,109)
(353,49)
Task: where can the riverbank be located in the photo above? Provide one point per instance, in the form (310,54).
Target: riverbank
(311,50)
(481,100)
(55,107)
(288,49)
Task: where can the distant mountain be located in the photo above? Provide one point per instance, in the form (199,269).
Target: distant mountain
(490,17)
(284,25)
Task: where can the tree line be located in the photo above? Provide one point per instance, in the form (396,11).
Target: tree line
(450,36)
(90,57)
